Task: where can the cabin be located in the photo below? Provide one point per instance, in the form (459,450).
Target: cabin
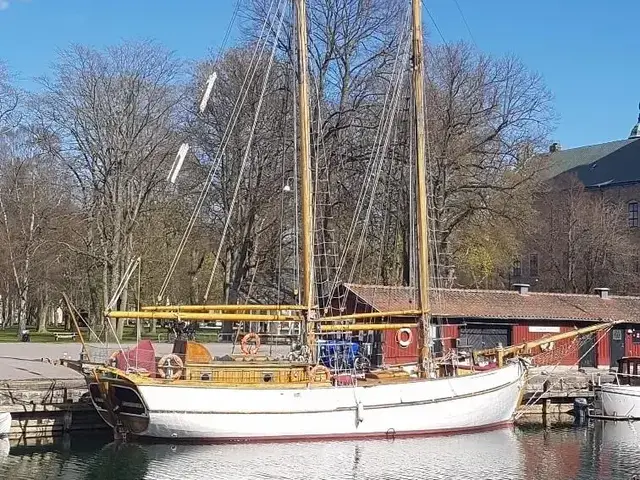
(478,319)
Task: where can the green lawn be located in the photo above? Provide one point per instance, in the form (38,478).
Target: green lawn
(129,335)
(11,335)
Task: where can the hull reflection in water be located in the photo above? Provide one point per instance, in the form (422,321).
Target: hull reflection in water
(478,456)
(620,443)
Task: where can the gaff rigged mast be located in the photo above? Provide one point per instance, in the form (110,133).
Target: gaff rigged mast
(306,189)
(422,211)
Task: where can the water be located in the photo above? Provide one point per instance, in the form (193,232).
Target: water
(599,451)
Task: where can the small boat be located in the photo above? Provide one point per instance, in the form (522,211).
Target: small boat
(620,399)
(5,424)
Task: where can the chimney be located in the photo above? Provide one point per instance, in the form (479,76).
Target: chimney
(521,288)
(603,293)
(555,147)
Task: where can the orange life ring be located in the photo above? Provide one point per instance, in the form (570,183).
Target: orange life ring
(317,371)
(246,347)
(404,343)
(165,365)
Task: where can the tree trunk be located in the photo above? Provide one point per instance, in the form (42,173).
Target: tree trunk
(43,313)
(22,314)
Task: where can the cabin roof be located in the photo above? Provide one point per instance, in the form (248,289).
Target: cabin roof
(502,304)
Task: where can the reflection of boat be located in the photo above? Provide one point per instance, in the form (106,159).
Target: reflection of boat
(625,436)
(621,398)
(617,444)
(495,454)
(5,423)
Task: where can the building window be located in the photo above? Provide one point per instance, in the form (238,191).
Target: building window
(517,268)
(632,209)
(533,265)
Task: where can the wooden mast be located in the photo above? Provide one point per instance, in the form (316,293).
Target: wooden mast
(421,189)
(305,173)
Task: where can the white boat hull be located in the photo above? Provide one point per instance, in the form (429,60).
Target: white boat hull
(5,424)
(619,400)
(448,405)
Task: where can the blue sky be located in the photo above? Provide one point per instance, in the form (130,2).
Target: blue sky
(586,50)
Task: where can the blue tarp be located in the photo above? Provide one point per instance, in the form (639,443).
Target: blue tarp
(337,354)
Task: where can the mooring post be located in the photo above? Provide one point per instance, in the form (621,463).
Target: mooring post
(545,402)
(67,420)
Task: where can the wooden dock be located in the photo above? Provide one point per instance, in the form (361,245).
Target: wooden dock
(48,408)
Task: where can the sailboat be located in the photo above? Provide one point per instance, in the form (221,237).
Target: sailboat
(191,396)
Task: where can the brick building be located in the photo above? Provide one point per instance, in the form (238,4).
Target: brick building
(588,230)
(484,318)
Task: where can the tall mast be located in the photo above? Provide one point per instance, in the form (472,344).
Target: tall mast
(421,187)
(305,166)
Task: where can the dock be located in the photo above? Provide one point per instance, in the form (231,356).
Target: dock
(551,393)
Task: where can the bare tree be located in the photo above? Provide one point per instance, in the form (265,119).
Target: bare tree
(9,102)
(114,115)
(582,239)
(486,116)
(247,191)
(33,204)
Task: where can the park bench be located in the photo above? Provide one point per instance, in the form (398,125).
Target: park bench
(65,335)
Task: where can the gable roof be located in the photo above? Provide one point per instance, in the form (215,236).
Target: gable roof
(502,304)
(598,165)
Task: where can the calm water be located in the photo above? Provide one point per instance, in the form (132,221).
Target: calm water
(599,451)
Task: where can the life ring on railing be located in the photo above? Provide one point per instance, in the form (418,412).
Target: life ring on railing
(250,348)
(545,347)
(318,370)
(408,337)
(167,369)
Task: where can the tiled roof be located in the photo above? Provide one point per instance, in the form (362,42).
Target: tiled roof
(598,165)
(502,304)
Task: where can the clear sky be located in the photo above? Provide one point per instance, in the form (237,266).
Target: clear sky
(586,50)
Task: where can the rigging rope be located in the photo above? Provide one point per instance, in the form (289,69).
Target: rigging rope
(260,45)
(247,152)
(373,161)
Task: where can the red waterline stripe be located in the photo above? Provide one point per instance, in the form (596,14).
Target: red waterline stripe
(389,435)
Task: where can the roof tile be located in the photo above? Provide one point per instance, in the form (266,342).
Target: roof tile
(502,304)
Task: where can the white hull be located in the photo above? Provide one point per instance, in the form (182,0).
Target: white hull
(447,405)
(5,424)
(620,400)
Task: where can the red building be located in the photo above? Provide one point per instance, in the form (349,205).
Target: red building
(485,318)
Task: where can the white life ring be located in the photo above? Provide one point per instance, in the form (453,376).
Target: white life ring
(170,362)
(404,342)
(545,347)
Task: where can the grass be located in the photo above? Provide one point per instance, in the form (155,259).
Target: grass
(129,335)
(11,335)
